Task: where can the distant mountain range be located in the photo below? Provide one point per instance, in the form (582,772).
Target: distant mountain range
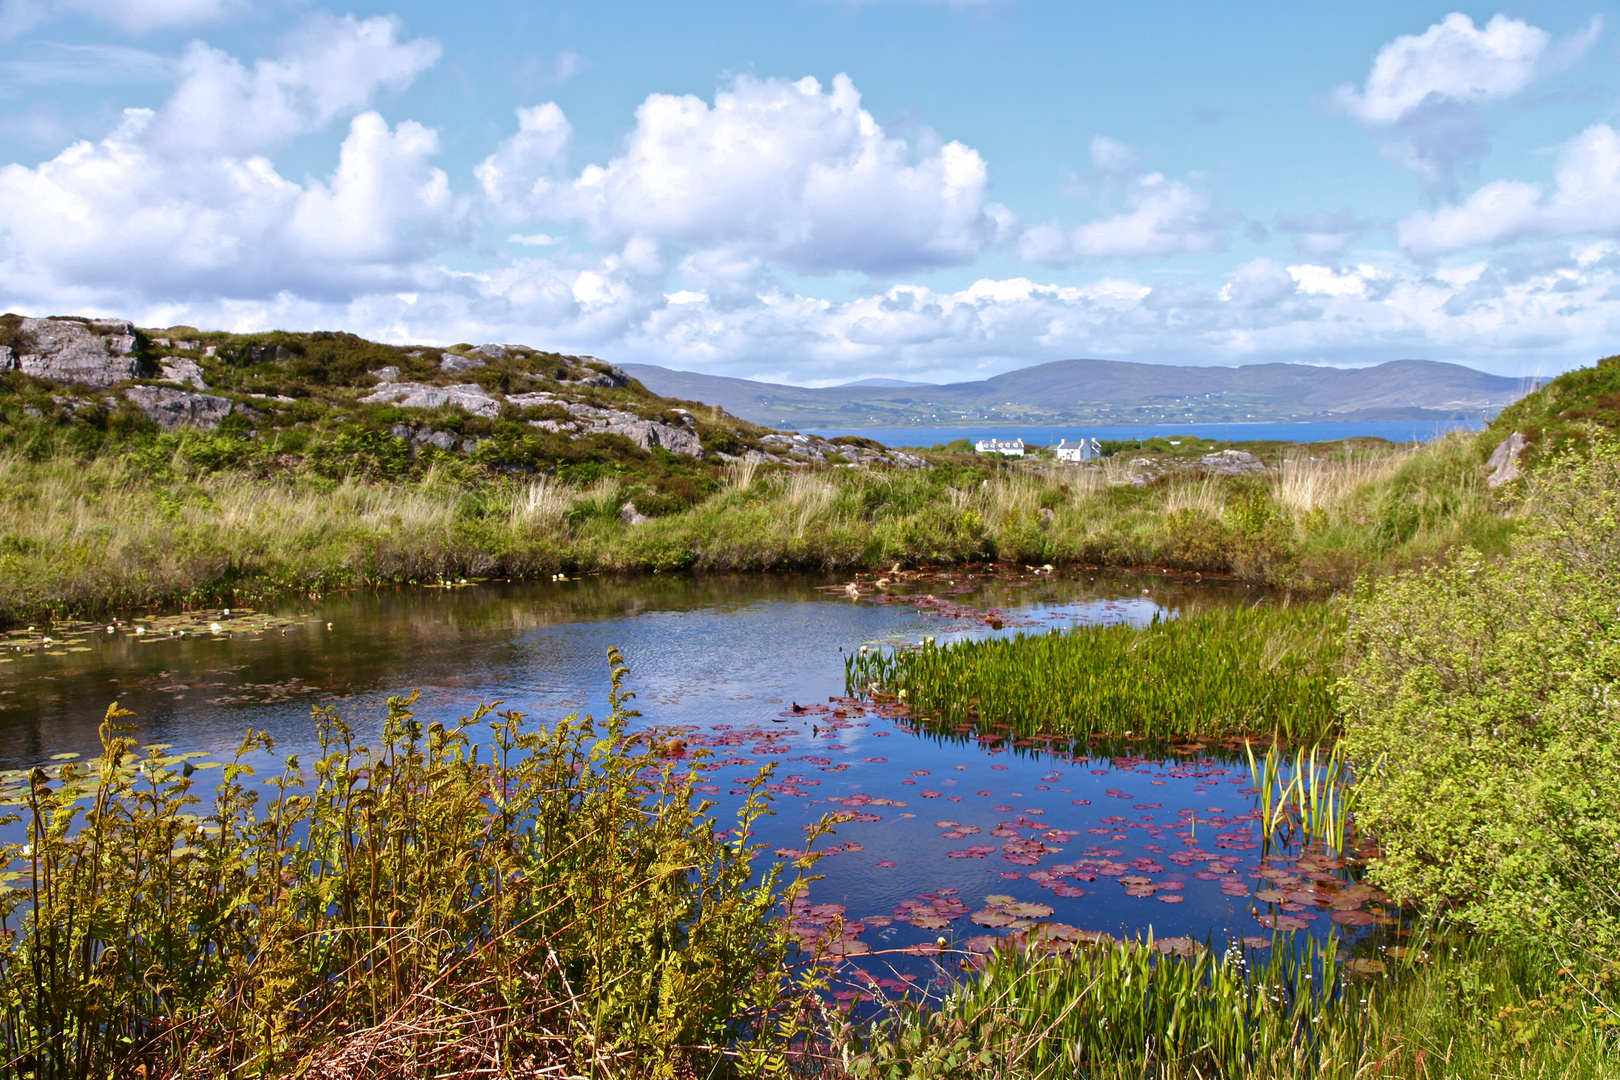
(1111,392)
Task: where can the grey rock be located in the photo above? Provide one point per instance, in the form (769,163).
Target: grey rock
(385,374)
(650,433)
(1504,461)
(179,369)
(444,440)
(553,425)
(8,358)
(493,351)
(609,376)
(631,516)
(97,353)
(400,431)
(469,396)
(1231,463)
(468,446)
(180,408)
(457,364)
(189,346)
(527,401)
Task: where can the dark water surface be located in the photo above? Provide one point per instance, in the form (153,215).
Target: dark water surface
(728,658)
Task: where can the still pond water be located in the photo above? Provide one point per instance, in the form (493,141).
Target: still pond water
(1109,845)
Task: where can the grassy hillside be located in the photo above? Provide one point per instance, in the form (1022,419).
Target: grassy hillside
(1561,414)
(305,487)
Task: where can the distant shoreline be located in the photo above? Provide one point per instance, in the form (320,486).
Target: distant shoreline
(1397,431)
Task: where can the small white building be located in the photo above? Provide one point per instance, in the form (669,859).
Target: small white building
(1005,447)
(1078,450)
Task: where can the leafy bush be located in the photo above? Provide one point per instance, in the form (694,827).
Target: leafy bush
(426,904)
(1481,703)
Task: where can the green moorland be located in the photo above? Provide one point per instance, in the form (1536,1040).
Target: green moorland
(307,492)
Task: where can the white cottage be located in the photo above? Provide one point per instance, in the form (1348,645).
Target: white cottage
(1006,447)
(1078,450)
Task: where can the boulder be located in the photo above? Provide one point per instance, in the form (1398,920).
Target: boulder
(180,408)
(608,376)
(493,351)
(444,440)
(385,374)
(650,433)
(1230,463)
(89,352)
(1504,461)
(631,516)
(469,396)
(457,364)
(180,369)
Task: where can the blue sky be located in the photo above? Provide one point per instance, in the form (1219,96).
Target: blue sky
(821,190)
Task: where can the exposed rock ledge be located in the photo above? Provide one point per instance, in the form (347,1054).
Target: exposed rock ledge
(86,352)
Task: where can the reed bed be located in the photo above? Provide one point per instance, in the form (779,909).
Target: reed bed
(1440,1005)
(1219,673)
(483,898)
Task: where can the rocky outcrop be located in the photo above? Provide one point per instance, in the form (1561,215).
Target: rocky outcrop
(85,352)
(609,376)
(796,449)
(385,374)
(591,420)
(1504,461)
(631,516)
(172,409)
(469,396)
(180,369)
(1232,463)
(457,364)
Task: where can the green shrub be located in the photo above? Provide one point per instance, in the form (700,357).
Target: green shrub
(424,903)
(1481,703)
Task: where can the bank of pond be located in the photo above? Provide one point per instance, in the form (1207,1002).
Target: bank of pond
(1369,837)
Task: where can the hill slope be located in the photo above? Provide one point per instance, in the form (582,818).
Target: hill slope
(1111,391)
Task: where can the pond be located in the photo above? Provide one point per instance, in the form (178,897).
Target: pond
(947,837)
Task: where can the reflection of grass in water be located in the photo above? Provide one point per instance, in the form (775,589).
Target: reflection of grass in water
(1215,673)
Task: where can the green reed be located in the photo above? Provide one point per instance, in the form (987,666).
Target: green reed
(432,903)
(1216,673)
(1308,789)
(1439,1005)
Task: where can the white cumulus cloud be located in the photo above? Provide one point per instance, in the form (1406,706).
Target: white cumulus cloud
(182,201)
(1585,198)
(790,173)
(1425,89)
(1165,217)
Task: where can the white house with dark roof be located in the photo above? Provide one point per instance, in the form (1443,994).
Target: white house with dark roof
(1078,450)
(1005,447)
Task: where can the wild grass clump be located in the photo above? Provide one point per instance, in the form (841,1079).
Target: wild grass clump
(1217,673)
(1441,1006)
(551,900)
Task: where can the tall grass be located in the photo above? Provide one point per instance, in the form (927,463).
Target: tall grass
(1219,673)
(1440,1006)
(166,526)
(442,900)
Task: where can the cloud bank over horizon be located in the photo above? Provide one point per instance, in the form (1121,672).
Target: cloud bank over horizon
(779,229)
